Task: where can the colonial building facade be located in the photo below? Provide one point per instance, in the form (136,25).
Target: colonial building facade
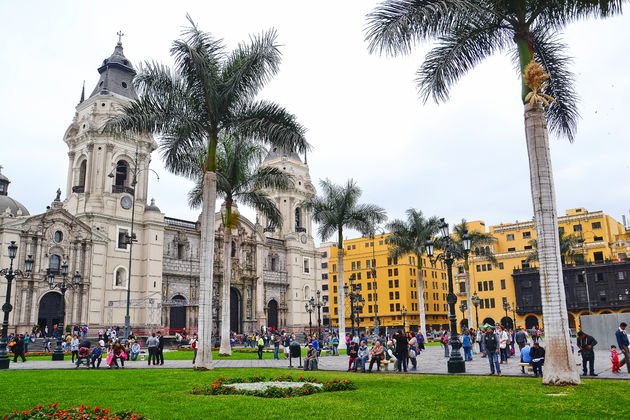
(275,270)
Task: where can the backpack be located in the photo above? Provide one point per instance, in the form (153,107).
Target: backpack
(444,340)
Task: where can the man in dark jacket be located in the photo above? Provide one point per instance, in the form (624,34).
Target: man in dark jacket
(622,341)
(491,346)
(586,343)
(402,350)
(160,348)
(18,348)
(520,338)
(537,355)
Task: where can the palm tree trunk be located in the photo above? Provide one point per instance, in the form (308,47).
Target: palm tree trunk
(469,299)
(204,328)
(341,306)
(226,349)
(560,366)
(421,311)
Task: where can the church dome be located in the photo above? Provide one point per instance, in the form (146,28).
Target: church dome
(152,206)
(117,75)
(277,153)
(9,206)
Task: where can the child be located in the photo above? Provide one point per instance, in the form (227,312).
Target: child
(614,358)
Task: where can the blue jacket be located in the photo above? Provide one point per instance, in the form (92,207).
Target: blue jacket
(622,339)
(525,357)
(466,341)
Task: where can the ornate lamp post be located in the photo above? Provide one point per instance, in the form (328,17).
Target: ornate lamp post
(506,307)
(63,286)
(356,301)
(462,307)
(513,308)
(310,307)
(319,303)
(403,312)
(10,274)
(456,362)
(130,238)
(216,305)
(475,301)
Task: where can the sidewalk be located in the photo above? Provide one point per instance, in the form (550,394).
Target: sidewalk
(430,361)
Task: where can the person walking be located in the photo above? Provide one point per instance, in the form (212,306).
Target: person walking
(287,345)
(479,340)
(622,342)
(27,339)
(261,346)
(74,347)
(444,341)
(152,344)
(520,338)
(402,350)
(193,346)
(160,348)
(18,349)
(467,346)
(335,345)
(491,345)
(537,355)
(586,343)
(503,344)
(276,347)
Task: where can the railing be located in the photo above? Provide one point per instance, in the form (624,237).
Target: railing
(78,189)
(121,189)
(300,229)
(274,241)
(180,223)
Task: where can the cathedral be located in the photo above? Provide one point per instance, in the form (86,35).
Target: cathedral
(109,242)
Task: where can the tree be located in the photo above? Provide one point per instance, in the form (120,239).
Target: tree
(208,96)
(410,237)
(477,240)
(568,245)
(469,31)
(240,180)
(335,210)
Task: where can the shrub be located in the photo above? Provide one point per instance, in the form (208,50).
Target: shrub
(81,412)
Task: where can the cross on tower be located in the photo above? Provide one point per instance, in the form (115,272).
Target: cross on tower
(120,35)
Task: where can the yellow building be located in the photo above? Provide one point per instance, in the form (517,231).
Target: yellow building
(604,241)
(393,290)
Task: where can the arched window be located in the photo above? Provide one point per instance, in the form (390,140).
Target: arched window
(298,218)
(82,172)
(54,263)
(120,277)
(122,168)
(233,249)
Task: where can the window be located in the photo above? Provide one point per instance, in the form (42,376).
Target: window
(479,285)
(307,265)
(370,308)
(324,265)
(410,271)
(180,251)
(527,235)
(528,247)
(324,287)
(504,300)
(621,275)
(492,302)
(367,263)
(478,268)
(598,238)
(397,295)
(58,236)
(354,265)
(120,278)
(354,247)
(121,175)
(358,265)
(334,277)
(334,268)
(500,266)
(599,277)
(335,302)
(335,309)
(334,289)
(369,274)
(577,228)
(598,256)
(324,276)
(389,261)
(349,247)
(54,263)
(391,295)
(596,225)
(483,267)
(359,276)
(395,271)
(396,283)
(510,237)
(389,272)
(502,284)
(485,285)
(395,260)
(122,239)
(370,297)
(398,306)
(367,244)
(491,285)
(511,249)
(391,284)
(561,230)
(481,303)
(391,307)
(489,267)
(369,285)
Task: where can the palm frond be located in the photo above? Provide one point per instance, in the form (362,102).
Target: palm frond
(264,204)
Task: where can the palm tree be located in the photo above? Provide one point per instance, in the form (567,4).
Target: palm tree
(568,245)
(240,179)
(336,209)
(469,31)
(477,239)
(410,237)
(209,95)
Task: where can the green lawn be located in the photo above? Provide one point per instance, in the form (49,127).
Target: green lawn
(165,394)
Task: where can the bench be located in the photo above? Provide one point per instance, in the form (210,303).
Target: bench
(530,369)
(385,365)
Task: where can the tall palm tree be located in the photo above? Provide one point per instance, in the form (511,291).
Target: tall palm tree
(240,180)
(209,95)
(410,237)
(477,239)
(568,249)
(468,31)
(335,210)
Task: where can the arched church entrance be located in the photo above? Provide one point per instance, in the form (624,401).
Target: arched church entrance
(48,314)
(177,315)
(235,310)
(272,315)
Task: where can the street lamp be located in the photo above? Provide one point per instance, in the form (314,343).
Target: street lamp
(403,312)
(462,307)
(588,296)
(475,301)
(513,308)
(356,301)
(321,301)
(456,363)
(216,305)
(131,237)
(310,307)
(63,286)
(10,274)
(506,307)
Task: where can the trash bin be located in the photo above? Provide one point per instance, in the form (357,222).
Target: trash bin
(295,349)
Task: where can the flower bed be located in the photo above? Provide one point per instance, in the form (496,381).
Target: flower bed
(273,388)
(81,412)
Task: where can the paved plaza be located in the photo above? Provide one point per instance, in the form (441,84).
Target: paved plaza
(430,361)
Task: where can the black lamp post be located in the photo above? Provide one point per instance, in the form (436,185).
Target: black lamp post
(310,307)
(10,274)
(356,301)
(63,286)
(456,363)
(130,238)
(513,315)
(319,303)
(403,312)
(462,307)
(475,301)
(216,305)
(506,307)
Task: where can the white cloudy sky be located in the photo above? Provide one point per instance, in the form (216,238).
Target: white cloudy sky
(465,158)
